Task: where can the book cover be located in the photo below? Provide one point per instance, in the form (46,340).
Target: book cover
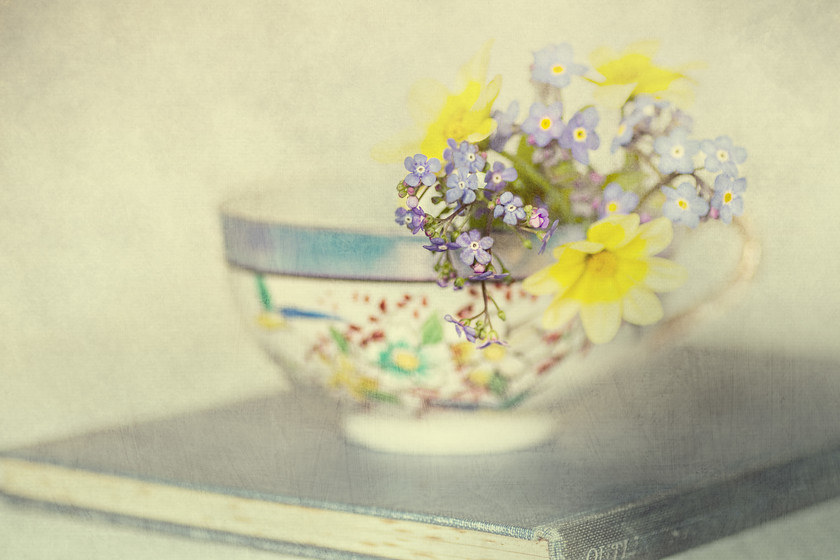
(689,448)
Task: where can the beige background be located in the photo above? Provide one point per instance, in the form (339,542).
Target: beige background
(124,124)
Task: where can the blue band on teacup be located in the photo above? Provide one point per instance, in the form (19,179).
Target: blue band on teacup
(309,251)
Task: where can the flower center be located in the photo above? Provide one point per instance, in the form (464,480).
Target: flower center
(545,123)
(420,169)
(406,360)
(407,219)
(622,128)
(497,177)
(558,69)
(677,151)
(722,155)
(682,203)
(612,207)
(470,157)
(474,246)
(462,185)
(727,198)
(511,207)
(603,264)
(580,134)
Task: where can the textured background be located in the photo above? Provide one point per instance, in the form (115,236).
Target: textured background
(123,126)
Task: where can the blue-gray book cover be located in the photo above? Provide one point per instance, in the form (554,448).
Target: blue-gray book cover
(704,444)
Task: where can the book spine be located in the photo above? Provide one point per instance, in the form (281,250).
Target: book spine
(670,524)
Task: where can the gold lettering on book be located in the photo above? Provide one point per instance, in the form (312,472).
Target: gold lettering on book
(618,550)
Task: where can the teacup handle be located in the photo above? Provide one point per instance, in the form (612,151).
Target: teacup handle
(719,301)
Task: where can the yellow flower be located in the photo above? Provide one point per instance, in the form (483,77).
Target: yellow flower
(609,276)
(440,114)
(345,375)
(633,72)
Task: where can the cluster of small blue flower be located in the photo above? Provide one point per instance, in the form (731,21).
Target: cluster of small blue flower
(533,176)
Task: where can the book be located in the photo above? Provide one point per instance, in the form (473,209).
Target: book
(685,449)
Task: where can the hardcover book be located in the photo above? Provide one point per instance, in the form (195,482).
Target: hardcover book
(694,446)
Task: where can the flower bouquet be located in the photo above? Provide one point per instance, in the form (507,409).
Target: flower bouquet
(532,236)
(481,173)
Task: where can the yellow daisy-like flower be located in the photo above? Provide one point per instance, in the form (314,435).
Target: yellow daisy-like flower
(612,275)
(633,72)
(345,375)
(440,114)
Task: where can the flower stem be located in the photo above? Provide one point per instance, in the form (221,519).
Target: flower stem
(534,176)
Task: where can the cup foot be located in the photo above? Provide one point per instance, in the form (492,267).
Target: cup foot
(448,432)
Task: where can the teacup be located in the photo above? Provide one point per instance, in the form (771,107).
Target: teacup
(359,314)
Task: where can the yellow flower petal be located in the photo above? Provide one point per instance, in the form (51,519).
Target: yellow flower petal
(465,116)
(558,277)
(609,276)
(601,320)
(614,231)
(658,234)
(476,68)
(586,246)
(664,275)
(641,306)
(559,313)
(398,147)
(652,238)
(634,68)
(440,114)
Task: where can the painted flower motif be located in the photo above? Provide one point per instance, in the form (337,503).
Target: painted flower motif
(580,136)
(498,178)
(461,186)
(676,152)
(728,199)
(505,126)
(617,201)
(554,65)
(346,375)
(474,247)
(402,358)
(463,156)
(722,156)
(412,218)
(509,207)
(612,275)
(683,205)
(544,123)
(421,170)
(440,114)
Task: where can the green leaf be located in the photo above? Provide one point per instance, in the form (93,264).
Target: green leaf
(340,341)
(382,397)
(629,180)
(514,401)
(432,331)
(498,384)
(265,295)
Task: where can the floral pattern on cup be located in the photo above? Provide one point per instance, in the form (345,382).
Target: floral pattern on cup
(392,346)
